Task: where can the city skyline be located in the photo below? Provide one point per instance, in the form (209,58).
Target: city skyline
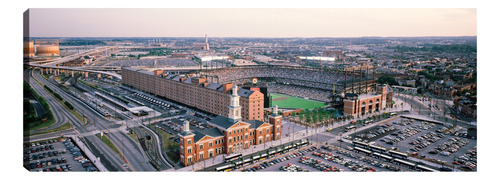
(266,23)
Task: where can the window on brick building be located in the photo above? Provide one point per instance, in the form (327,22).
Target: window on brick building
(189,141)
(209,144)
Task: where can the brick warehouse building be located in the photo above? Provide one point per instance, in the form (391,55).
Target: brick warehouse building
(356,105)
(229,134)
(195,92)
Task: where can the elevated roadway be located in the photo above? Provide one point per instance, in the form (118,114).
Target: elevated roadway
(133,159)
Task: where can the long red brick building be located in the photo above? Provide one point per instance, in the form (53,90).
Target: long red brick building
(196,92)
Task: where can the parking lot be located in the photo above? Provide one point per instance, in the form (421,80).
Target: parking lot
(439,143)
(326,158)
(55,155)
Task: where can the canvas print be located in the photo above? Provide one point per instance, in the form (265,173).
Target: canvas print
(250,90)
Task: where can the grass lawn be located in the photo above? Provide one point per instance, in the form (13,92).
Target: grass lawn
(110,144)
(294,102)
(65,126)
(168,144)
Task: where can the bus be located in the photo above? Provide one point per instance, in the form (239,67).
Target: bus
(398,154)
(377,149)
(368,122)
(386,158)
(406,163)
(426,169)
(349,128)
(359,150)
(227,167)
(360,144)
(232,157)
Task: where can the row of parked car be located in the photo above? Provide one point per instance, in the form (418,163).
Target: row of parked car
(172,125)
(35,144)
(467,160)
(32,157)
(425,140)
(278,160)
(380,130)
(319,165)
(401,135)
(58,168)
(424,125)
(160,103)
(198,124)
(39,149)
(293,168)
(78,156)
(404,122)
(370,161)
(353,165)
(45,163)
(452,145)
(173,137)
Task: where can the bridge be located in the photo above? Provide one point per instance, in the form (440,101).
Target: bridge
(53,67)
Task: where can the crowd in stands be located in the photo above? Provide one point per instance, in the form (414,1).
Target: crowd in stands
(318,76)
(154,63)
(311,84)
(315,94)
(302,82)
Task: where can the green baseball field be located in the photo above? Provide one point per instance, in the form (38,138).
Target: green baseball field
(284,101)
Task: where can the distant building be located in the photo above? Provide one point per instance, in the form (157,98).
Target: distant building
(202,46)
(333,53)
(229,134)
(28,49)
(466,107)
(179,55)
(47,47)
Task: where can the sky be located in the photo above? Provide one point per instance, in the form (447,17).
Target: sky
(264,22)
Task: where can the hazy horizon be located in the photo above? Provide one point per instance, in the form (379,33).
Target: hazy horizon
(254,23)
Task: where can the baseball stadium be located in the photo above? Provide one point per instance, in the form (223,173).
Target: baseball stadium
(308,84)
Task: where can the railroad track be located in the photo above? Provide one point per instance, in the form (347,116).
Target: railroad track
(148,142)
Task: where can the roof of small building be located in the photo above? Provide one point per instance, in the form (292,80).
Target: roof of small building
(254,124)
(222,121)
(213,132)
(213,86)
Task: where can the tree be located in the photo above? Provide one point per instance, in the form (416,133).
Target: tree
(293,113)
(387,80)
